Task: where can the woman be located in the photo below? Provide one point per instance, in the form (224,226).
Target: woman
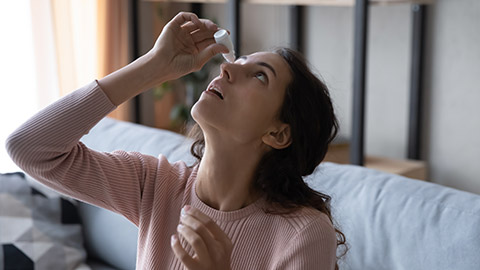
(244,205)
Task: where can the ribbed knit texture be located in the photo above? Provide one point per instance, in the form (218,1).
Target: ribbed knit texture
(150,192)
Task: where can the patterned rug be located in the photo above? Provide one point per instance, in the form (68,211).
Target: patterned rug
(38,228)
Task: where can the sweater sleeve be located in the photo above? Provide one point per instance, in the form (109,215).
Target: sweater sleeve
(47,147)
(314,247)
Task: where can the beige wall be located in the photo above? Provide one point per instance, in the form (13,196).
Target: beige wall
(452,76)
(454,79)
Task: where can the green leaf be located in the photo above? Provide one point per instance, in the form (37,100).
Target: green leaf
(160,91)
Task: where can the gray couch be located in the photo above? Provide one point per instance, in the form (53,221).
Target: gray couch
(391,222)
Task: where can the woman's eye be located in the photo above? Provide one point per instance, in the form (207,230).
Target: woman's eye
(261,76)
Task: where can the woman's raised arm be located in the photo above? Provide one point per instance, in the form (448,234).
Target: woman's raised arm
(47,145)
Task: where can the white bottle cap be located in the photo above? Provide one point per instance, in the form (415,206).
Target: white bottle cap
(222,37)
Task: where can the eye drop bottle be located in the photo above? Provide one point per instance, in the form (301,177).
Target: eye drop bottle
(222,37)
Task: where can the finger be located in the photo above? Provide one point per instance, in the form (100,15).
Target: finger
(211,244)
(212,227)
(180,252)
(200,35)
(210,51)
(189,27)
(205,25)
(184,17)
(202,45)
(195,240)
(209,25)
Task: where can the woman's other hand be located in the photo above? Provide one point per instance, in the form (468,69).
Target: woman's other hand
(211,245)
(185,45)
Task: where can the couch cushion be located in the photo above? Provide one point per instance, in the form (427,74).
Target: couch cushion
(95,265)
(38,230)
(392,222)
(110,238)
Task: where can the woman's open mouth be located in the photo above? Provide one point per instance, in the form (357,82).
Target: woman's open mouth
(215,91)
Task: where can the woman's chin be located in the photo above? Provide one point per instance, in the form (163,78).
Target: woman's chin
(203,115)
(195,113)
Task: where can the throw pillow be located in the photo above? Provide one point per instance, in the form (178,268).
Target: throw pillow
(38,230)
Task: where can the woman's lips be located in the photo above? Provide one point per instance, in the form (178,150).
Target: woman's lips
(215,91)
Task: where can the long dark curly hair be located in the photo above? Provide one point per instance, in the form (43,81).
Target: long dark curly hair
(308,109)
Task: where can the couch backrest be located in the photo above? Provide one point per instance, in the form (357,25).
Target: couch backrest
(393,222)
(390,222)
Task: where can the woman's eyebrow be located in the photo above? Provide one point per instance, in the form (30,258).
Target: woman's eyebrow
(243,57)
(267,66)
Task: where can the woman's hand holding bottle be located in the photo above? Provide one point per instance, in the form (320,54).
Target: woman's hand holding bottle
(185,45)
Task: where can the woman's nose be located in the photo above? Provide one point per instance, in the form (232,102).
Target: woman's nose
(227,71)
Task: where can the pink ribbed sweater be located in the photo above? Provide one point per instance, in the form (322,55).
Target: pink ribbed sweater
(150,192)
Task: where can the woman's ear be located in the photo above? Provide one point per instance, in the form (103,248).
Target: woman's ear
(278,138)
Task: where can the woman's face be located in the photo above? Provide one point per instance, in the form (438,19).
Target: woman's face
(244,101)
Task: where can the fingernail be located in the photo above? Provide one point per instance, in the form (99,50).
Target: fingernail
(180,227)
(173,239)
(185,210)
(183,213)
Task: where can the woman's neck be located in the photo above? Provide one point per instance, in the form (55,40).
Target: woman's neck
(225,176)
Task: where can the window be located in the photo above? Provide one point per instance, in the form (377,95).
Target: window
(48,49)
(18,95)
